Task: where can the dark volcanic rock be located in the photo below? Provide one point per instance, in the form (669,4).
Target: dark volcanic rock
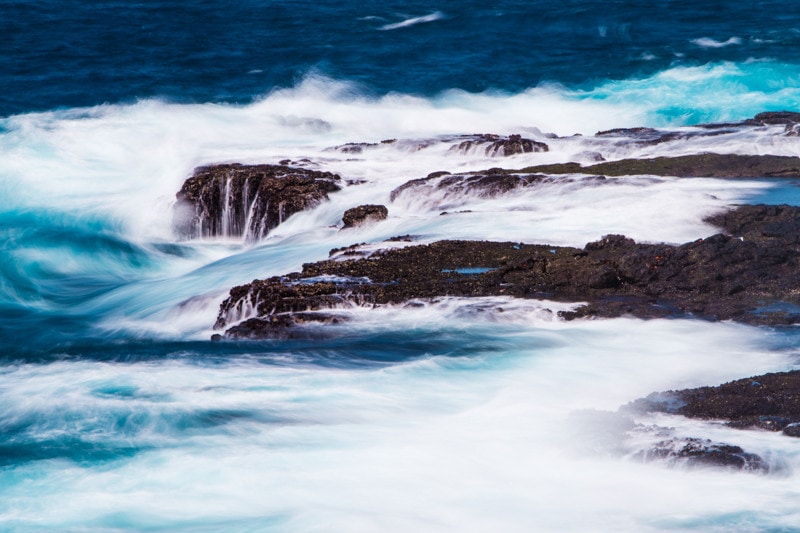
(770,402)
(438,188)
(357,148)
(650,136)
(495,145)
(281,326)
(770,118)
(765,224)
(235,200)
(487,184)
(605,433)
(694,453)
(752,277)
(362,214)
(698,166)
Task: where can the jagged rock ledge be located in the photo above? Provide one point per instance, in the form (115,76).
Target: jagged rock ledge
(444,187)
(769,402)
(696,165)
(494,145)
(488,143)
(749,274)
(489,183)
(233,200)
(248,201)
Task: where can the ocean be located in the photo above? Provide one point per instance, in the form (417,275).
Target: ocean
(117,411)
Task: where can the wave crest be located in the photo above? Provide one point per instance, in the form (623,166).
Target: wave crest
(707,42)
(432,17)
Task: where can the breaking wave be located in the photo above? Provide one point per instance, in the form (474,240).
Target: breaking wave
(413,21)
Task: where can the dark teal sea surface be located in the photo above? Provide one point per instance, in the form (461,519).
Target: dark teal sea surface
(58,54)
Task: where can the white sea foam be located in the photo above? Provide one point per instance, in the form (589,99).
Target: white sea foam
(111,161)
(707,42)
(118,168)
(478,442)
(413,21)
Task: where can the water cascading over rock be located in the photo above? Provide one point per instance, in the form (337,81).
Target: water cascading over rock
(247,201)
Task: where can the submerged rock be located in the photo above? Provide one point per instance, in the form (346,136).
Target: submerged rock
(695,453)
(750,275)
(234,200)
(770,402)
(363,214)
(605,433)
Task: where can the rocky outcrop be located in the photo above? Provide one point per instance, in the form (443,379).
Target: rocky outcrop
(495,145)
(618,434)
(699,453)
(486,184)
(445,189)
(697,166)
(441,188)
(770,402)
(357,148)
(789,119)
(651,136)
(750,274)
(364,214)
(247,201)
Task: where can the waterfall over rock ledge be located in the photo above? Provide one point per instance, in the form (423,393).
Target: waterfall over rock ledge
(234,200)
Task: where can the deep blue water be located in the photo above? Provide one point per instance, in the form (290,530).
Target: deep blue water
(66,54)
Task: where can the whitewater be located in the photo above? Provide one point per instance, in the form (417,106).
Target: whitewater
(118,413)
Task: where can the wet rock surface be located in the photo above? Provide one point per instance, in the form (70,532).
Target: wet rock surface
(488,144)
(617,434)
(770,402)
(364,214)
(233,200)
(486,184)
(697,165)
(698,453)
(789,119)
(495,145)
(446,188)
(652,136)
(749,273)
